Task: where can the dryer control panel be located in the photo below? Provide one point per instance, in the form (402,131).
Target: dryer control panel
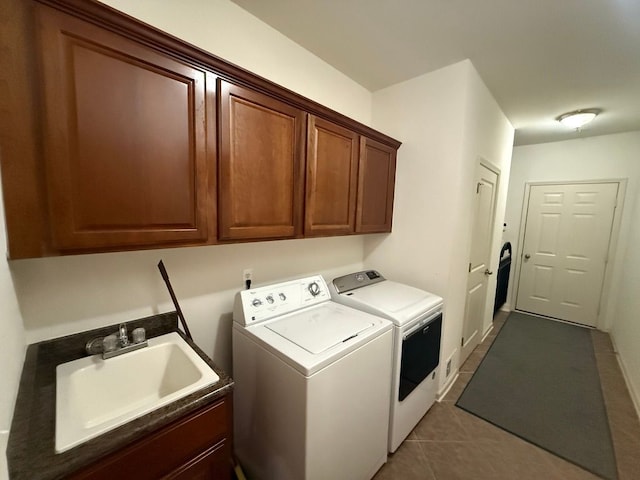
(357,280)
(263,303)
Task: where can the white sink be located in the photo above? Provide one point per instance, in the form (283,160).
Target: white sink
(94,395)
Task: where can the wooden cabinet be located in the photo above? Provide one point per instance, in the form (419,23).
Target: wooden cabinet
(198,446)
(126,147)
(332,178)
(260,166)
(117,136)
(350,181)
(376,179)
(211,465)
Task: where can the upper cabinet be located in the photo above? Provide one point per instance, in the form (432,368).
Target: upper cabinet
(261,166)
(126,150)
(332,178)
(117,136)
(376,179)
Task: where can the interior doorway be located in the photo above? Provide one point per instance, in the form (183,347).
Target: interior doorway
(486,187)
(565,249)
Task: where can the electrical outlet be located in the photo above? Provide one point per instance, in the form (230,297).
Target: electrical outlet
(448,368)
(247,274)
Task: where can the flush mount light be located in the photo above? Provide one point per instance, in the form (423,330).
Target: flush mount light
(578,118)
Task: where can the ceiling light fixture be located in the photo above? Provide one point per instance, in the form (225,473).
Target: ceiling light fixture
(578,118)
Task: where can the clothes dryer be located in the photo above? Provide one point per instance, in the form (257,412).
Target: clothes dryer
(417,328)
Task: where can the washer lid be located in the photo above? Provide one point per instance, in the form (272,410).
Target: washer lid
(299,357)
(316,332)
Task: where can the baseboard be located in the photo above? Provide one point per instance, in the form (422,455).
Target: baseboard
(505,308)
(486,334)
(445,389)
(4,471)
(633,393)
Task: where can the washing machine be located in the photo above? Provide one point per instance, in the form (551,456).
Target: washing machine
(417,328)
(312,378)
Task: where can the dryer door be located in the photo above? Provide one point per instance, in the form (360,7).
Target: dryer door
(420,355)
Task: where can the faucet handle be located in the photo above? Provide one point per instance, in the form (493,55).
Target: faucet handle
(95,346)
(138,335)
(109,343)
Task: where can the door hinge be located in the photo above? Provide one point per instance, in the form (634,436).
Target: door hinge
(469,268)
(478,186)
(462,342)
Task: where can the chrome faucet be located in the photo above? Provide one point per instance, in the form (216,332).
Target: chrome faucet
(122,335)
(117,343)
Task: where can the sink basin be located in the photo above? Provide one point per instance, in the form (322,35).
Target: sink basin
(94,395)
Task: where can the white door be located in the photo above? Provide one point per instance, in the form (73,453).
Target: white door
(486,187)
(565,249)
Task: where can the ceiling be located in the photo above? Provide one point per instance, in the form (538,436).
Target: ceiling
(539,58)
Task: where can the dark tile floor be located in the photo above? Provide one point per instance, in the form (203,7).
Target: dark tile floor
(451,444)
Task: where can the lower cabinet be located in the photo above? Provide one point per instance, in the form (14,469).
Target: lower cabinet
(212,464)
(198,446)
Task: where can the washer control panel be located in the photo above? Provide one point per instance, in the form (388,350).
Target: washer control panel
(263,303)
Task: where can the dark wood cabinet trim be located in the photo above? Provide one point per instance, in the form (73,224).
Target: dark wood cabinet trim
(116,21)
(23,180)
(211,128)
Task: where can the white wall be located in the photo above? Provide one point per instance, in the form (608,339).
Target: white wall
(63,295)
(488,135)
(604,157)
(13,345)
(626,326)
(446,119)
(50,297)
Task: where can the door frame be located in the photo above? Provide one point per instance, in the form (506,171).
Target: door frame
(602,322)
(483,328)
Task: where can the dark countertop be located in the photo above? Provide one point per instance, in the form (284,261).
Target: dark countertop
(31,447)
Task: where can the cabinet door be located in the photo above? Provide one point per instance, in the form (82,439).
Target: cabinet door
(214,464)
(199,442)
(260,166)
(332,178)
(376,179)
(125,139)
